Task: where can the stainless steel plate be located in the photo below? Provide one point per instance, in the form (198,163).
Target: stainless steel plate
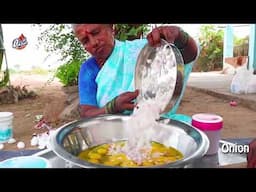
(160,70)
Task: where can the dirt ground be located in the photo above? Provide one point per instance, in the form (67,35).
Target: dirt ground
(50,102)
(239,122)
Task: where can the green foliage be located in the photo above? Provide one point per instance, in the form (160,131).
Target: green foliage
(68,73)
(130,31)
(60,39)
(211,42)
(240,41)
(6,78)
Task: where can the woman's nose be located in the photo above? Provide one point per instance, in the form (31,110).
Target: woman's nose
(94,42)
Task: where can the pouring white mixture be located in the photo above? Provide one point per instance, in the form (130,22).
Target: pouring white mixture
(156,91)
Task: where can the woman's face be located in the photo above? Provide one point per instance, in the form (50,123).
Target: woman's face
(97,39)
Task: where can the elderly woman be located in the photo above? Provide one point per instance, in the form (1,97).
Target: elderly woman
(106,80)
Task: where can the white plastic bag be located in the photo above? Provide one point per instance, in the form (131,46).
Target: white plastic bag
(239,84)
(251,85)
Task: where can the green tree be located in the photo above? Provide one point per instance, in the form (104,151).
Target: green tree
(130,31)
(60,39)
(211,43)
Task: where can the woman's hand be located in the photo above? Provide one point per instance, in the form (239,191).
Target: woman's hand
(125,101)
(119,104)
(169,33)
(175,35)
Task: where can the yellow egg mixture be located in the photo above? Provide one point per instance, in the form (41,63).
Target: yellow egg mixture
(159,154)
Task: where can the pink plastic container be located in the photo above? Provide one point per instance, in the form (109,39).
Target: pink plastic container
(211,125)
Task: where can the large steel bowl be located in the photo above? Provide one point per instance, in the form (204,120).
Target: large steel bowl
(68,141)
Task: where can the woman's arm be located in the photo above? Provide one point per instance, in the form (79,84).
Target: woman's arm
(87,111)
(119,104)
(189,52)
(175,35)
